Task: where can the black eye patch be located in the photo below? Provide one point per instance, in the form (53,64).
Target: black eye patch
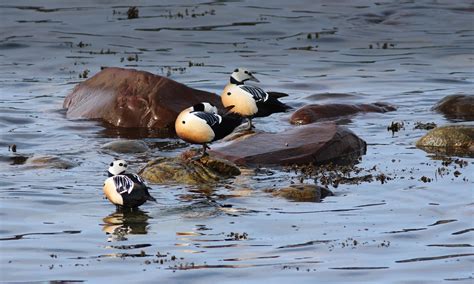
(229,94)
(246,72)
(112,164)
(125,165)
(121,164)
(199,107)
(236,70)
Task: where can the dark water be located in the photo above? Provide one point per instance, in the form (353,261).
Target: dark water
(56,226)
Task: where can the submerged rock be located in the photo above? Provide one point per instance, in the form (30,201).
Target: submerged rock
(126,146)
(316,143)
(456,107)
(316,112)
(182,170)
(452,139)
(47,161)
(303,193)
(132,98)
(332,96)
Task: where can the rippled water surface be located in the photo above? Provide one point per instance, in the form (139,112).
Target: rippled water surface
(55,225)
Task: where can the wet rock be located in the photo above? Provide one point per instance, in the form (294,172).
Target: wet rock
(303,193)
(126,146)
(46,161)
(332,96)
(16,159)
(452,139)
(425,126)
(315,143)
(132,98)
(316,112)
(182,170)
(456,107)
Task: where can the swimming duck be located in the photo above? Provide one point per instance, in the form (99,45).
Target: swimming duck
(200,124)
(250,101)
(125,189)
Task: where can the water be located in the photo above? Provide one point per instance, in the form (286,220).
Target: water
(55,225)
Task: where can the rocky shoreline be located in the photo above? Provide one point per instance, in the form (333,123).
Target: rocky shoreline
(131,98)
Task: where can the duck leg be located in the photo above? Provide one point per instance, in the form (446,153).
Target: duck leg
(204,153)
(204,148)
(250,124)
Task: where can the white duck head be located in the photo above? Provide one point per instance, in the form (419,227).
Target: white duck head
(117,167)
(240,75)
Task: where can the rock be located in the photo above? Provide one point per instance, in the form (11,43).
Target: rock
(452,139)
(315,143)
(180,170)
(332,96)
(303,193)
(126,146)
(15,159)
(132,98)
(425,126)
(315,112)
(46,161)
(456,107)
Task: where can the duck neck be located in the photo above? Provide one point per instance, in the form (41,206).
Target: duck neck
(234,81)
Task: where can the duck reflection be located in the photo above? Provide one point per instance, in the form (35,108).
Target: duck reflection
(124,222)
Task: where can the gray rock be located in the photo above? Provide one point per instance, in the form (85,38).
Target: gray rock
(126,146)
(47,161)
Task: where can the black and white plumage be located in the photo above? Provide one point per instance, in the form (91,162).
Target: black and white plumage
(125,189)
(250,101)
(258,94)
(203,106)
(203,127)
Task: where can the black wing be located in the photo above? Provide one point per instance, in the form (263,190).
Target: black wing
(210,118)
(123,184)
(277,95)
(257,93)
(135,178)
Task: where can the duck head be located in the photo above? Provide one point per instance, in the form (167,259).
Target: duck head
(240,75)
(117,167)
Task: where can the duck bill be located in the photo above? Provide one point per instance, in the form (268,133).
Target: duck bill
(228,109)
(252,78)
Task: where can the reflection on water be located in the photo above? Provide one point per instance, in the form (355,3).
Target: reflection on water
(124,222)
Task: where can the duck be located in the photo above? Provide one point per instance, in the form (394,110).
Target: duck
(125,190)
(250,101)
(201,124)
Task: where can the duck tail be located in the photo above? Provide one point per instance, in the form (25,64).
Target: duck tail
(149,197)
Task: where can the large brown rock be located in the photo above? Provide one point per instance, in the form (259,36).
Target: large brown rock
(316,112)
(131,98)
(315,143)
(456,107)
